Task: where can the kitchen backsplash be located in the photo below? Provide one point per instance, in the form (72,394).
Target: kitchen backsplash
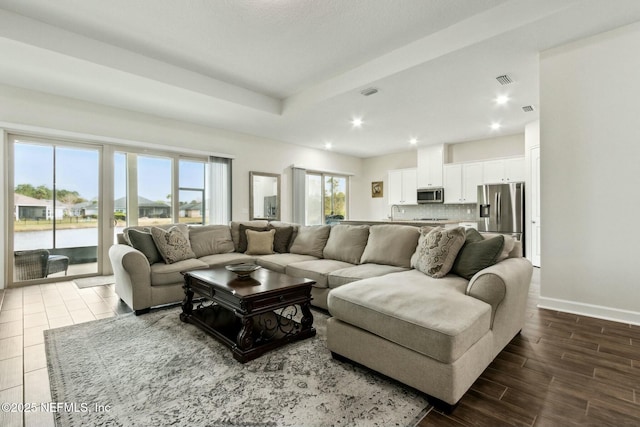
(465,212)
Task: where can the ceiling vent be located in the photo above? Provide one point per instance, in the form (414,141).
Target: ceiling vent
(504,79)
(369,91)
(528,108)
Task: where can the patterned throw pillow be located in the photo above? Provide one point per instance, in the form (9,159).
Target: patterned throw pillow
(173,244)
(437,250)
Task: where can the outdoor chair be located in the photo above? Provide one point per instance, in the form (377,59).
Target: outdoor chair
(38,264)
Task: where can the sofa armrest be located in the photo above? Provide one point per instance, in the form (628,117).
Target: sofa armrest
(132,275)
(509,278)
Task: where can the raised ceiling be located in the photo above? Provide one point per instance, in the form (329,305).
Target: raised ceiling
(292,70)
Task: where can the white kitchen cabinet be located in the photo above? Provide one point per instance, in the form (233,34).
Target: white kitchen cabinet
(430,166)
(461,182)
(402,184)
(504,170)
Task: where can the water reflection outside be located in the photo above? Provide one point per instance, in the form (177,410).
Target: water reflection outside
(73,238)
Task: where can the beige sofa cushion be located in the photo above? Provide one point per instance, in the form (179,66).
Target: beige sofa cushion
(359,272)
(311,240)
(210,240)
(220,260)
(279,262)
(346,243)
(169,274)
(317,270)
(391,244)
(431,316)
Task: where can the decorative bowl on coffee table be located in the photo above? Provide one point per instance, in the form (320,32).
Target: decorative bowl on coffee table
(243,270)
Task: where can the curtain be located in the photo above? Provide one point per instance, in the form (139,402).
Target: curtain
(219,190)
(299,195)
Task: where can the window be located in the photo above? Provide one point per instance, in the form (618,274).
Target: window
(55,208)
(325,198)
(191,191)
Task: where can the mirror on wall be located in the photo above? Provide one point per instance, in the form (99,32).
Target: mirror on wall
(264,196)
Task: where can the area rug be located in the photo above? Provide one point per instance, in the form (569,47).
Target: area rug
(154,370)
(89,282)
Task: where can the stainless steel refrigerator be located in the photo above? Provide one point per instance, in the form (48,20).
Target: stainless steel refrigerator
(501,209)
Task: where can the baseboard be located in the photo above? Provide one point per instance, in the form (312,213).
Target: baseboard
(590,310)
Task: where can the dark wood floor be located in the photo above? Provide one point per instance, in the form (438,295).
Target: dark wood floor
(562,370)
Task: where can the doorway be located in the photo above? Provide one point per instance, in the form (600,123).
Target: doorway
(55,202)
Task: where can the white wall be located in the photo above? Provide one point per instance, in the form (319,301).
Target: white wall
(484,149)
(251,152)
(30,108)
(365,207)
(590,157)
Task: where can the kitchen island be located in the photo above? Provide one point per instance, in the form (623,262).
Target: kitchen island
(435,222)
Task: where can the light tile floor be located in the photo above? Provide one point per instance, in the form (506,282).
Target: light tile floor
(24,314)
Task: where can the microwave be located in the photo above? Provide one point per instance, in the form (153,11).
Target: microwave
(431,195)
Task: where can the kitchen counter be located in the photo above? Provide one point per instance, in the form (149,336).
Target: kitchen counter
(414,222)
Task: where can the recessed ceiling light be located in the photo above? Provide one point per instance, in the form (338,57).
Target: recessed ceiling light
(495,126)
(356,122)
(413,141)
(327,146)
(502,99)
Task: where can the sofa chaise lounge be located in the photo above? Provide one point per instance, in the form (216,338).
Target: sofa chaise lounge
(434,334)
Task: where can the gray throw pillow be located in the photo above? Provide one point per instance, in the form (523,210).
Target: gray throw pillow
(346,243)
(143,241)
(437,250)
(477,254)
(173,244)
(282,238)
(311,240)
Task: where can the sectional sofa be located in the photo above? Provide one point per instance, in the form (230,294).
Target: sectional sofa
(434,334)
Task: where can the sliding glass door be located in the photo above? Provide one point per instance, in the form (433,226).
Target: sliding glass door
(62,224)
(56,209)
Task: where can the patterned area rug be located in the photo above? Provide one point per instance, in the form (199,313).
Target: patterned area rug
(154,370)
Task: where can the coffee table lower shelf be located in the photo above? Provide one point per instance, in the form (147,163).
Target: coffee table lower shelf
(248,337)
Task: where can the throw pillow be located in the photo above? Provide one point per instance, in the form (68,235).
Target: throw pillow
(311,240)
(477,254)
(173,244)
(509,244)
(143,241)
(346,243)
(282,238)
(210,240)
(391,244)
(242,241)
(260,242)
(438,250)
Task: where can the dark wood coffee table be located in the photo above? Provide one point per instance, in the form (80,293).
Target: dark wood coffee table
(250,316)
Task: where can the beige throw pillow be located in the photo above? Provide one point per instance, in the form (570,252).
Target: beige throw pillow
(173,244)
(437,250)
(260,242)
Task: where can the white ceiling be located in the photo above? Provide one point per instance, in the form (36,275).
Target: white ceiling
(292,70)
